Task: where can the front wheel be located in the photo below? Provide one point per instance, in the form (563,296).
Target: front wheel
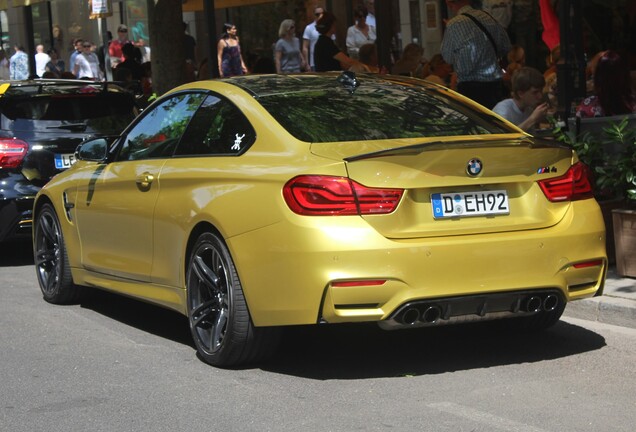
(51,260)
(219,319)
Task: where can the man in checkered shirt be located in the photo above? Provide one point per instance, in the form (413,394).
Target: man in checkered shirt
(474,58)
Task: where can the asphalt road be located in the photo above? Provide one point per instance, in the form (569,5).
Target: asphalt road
(114,364)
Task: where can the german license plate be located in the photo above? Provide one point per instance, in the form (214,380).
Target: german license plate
(64,161)
(462,204)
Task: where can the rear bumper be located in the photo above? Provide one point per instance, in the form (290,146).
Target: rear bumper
(16,218)
(465,309)
(293,280)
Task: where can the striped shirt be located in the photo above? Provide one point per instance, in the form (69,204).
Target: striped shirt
(469,50)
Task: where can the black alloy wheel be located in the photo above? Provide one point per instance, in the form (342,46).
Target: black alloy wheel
(51,260)
(219,318)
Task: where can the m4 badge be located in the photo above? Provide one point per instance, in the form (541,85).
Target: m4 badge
(546,170)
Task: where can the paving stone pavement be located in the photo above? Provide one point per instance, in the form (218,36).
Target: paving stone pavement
(616,306)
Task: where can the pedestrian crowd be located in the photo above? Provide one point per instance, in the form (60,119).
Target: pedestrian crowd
(476,58)
(128,61)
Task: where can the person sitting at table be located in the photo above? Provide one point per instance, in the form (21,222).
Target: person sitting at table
(525,107)
(613,93)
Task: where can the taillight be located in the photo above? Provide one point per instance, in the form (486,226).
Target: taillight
(575,184)
(314,195)
(12,151)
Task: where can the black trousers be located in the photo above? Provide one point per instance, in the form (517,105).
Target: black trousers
(487,93)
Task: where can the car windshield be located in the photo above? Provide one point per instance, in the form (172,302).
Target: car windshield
(375,110)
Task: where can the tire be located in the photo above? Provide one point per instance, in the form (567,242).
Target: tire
(51,260)
(219,318)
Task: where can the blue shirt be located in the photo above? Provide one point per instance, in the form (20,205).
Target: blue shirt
(19,66)
(469,50)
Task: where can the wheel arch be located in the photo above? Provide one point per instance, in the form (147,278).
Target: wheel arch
(40,201)
(197,230)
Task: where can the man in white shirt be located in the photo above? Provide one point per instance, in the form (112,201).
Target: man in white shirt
(310,37)
(524,108)
(87,64)
(41,59)
(370,4)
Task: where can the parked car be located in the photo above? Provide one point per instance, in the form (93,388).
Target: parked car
(257,202)
(41,124)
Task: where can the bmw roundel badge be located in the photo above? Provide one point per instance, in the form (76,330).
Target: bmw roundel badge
(474,167)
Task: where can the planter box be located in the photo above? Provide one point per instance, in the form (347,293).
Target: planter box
(625,241)
(607,206)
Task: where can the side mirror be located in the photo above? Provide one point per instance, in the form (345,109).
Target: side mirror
(95,150)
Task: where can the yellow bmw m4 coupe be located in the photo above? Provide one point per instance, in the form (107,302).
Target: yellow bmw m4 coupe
(257,202)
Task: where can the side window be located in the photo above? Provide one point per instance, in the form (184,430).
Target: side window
(157,134)
(218,128)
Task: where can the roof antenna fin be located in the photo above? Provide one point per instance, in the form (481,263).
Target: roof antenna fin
(349,81)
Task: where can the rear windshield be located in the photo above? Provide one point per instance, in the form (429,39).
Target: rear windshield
(376,111)
(68,107)
(104,113)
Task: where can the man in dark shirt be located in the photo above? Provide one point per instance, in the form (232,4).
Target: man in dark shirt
(136,70)
(327,56)
(189,44)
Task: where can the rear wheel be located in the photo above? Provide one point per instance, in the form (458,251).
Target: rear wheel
(51,260)
(219,319)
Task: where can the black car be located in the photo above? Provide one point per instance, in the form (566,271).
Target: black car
(41,124)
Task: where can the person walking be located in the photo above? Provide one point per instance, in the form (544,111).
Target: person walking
(19,64)
(41,60)
(130,63)
(115,46)
(473,43)
(310,37)
(87,64)
(287,54)
(229,53)
(77,50)
(328,56)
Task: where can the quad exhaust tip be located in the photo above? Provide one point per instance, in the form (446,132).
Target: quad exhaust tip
(428,315)
(439,312)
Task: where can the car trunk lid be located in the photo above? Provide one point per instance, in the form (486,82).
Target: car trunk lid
(427,170)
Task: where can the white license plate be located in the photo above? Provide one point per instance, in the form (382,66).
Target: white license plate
(461,204)
(63,161)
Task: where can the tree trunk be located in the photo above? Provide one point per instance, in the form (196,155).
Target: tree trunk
(165,22)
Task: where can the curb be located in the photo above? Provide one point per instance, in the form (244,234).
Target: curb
(606,309)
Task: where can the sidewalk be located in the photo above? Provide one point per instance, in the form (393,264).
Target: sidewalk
(616,306)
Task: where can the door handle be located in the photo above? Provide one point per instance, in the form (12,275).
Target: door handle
(144,180)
